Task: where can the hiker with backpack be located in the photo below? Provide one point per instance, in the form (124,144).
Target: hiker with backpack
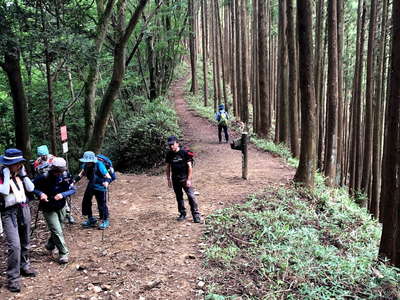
(15,216)
(222,117)
(179,173)
(99,179)
(44,160)
(42,166)
(53,188)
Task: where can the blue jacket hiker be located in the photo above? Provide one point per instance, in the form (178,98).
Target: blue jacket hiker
(15,216)
(222,118)
(99,179)
(53,188)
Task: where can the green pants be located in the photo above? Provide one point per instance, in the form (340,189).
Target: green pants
(54,220)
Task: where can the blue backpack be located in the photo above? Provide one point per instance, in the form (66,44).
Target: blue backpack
(109,166)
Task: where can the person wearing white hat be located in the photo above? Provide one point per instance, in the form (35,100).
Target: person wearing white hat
(53,188)
(15,216)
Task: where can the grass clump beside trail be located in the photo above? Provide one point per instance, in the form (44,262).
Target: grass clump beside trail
(293,244)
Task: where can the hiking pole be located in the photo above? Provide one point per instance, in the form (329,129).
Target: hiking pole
(36,220)
(105,200)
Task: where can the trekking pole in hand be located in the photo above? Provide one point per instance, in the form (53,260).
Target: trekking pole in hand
(36,220)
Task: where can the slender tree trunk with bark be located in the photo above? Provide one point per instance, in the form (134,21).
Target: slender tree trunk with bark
(369,113)
(378,103)
(262,69)
(331,146)
(204,45)
(283,79)
(293,79)
(245,90)
(192,46)
(390,241)
(12,68)
(305,171)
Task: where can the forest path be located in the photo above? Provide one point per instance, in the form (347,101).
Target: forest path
(146,253)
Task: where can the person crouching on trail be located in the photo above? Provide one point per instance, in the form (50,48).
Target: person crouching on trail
(179,176)
(222,118)
(53,188)
(99,179)
(15,216)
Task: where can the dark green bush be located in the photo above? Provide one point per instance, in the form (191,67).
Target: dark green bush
(142,138)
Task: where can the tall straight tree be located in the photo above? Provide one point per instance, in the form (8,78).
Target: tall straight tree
(369,113)
(204,47)
(331,146)
(192,45)
(244,83)
(293,79)
(262,69)
(305,171)
(379,101)
(390,241)
(282,129)
(11,66)
(356,145)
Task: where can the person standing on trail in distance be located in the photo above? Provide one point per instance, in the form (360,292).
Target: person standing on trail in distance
(53,188)
(99,179)
(15,216)
(179,176)
(222,118)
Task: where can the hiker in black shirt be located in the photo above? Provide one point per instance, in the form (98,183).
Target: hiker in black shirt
(179,176)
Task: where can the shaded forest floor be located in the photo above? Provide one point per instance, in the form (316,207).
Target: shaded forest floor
(146,253)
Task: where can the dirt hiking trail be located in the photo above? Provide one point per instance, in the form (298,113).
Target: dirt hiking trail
(146,254)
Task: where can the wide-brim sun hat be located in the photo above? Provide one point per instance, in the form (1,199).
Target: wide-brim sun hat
(11,156)
(88,156)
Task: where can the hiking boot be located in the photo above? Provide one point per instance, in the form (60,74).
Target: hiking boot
(70,220)
(49,250)
(14,287)
(196,219)
(28,272)
(63,259)
(105,224)
(181,217)
(90,222)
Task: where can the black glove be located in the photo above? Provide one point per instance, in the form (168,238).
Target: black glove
(77,178)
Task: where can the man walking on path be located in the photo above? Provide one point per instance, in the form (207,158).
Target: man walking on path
(99,179)
(179,176)
(222,118)
(53,188)
(15,216)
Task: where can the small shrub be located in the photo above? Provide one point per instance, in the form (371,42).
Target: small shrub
(142,138)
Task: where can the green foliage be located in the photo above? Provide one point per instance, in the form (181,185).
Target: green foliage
(297,244)
(142,137)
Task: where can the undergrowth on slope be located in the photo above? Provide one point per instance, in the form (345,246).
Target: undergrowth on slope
(294,243)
